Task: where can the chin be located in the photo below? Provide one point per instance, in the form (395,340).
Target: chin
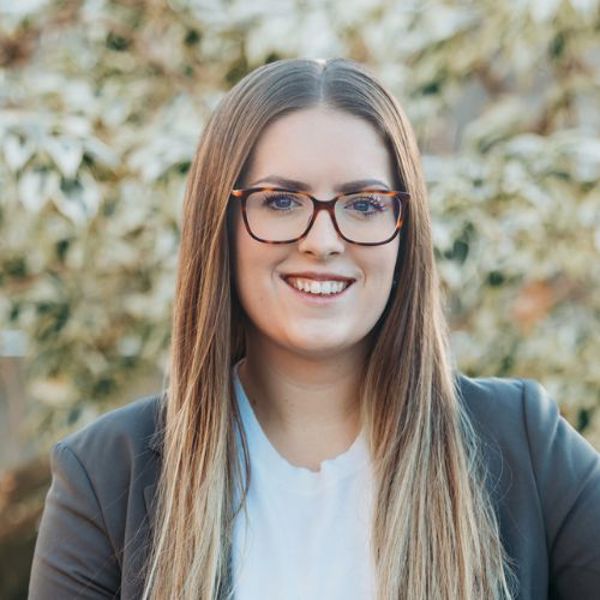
(315,352)
(320,346)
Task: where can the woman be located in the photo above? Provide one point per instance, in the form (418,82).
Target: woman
(314,441)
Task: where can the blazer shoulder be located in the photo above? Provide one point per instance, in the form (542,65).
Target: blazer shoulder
(512,403)
(91,537)
(131,430)
(497,399)
(498,408)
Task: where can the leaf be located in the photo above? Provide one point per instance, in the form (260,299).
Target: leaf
(78,199)
(101,152)
(36,187)
(66,154)
(21,9)
(543,11)
(17,152)
(585,7)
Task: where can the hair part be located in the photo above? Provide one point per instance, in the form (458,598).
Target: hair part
(434,532)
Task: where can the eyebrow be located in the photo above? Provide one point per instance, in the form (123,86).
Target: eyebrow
(301,186)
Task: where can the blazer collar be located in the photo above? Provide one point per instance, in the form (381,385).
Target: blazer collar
(155,441)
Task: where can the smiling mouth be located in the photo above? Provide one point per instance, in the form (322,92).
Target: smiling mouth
(317,288)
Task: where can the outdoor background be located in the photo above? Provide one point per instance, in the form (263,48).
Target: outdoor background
(101,107)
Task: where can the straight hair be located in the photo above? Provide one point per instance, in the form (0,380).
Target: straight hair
(435,532)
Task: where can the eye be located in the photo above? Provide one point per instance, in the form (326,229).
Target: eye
(280,201)
(366,204)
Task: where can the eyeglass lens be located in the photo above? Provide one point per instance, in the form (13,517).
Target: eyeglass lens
(362,217)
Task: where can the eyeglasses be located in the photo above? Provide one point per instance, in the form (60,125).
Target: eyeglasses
(367,217)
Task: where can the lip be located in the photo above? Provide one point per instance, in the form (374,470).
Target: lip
(319,276)
(313,299)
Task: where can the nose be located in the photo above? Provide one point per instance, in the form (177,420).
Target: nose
(322,239)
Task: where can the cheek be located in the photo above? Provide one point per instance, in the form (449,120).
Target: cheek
(379,274)
(255,270)
(243,259)
(379,265)
(246,262)
(380,297)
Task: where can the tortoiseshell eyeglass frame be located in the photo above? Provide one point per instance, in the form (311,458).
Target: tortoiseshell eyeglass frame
(328,206)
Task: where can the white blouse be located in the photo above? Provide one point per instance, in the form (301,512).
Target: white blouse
(306,534)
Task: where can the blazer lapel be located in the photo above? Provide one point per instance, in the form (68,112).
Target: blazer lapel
(155,446)
(149,495)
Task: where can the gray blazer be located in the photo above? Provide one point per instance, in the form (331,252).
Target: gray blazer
(544,479)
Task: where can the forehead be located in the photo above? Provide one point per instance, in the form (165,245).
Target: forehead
(323,147)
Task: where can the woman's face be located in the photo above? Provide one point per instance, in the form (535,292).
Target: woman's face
(323,148)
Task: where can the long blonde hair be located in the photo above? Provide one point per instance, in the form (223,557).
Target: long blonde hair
(435,532)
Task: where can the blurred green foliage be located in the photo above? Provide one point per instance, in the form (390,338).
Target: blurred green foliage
(101,106)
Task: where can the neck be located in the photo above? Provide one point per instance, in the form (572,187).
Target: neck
(308,407)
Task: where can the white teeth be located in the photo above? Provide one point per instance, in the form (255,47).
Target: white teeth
(317,287)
